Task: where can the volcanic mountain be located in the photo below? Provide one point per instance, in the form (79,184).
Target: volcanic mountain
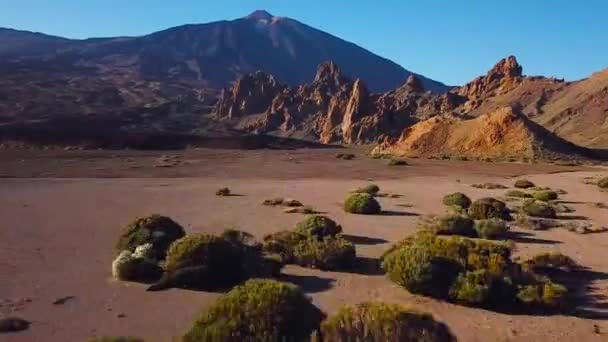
(210,55)
(503,134)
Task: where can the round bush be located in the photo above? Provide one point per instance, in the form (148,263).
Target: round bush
(376,321)
(362,203)
(603,183)
(371,189)
(545,196)
(539,209)
(523,184)
(200,250)
(160,231)
(457,199)
(318,226)
(491,228)
(487,208)
(259,310)
(416,268)
(330,253)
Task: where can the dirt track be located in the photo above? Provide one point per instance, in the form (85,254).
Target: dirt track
(59,231)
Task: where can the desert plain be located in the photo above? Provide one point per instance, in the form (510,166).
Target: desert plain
(62,212)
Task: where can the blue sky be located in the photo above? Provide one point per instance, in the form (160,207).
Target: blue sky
(452,41)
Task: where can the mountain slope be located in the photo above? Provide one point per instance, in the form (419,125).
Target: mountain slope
(215,54)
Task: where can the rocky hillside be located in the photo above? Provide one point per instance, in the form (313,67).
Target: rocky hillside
(501,135)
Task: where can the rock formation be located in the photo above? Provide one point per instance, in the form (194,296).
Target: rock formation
(503,134)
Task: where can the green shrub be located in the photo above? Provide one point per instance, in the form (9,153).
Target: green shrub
(545,196)
(472,288)
(330,253)
(375,321)
(523,184)
(553,260)
(539,209)
(115,339)
(491,228)
(223,192)
(489,186)
(160,231)
(419,269)
(318,226)
(209,262)
(259,310)
(518,194)
(487,208)
(198,250)
(457,199)
(547,294)
(282,243)
(450,225)
(371,189)
(362,203)
(467,271)
(603,183)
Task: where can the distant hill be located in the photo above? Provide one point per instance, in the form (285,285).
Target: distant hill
(210,55)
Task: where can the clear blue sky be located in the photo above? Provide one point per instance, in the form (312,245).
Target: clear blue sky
(448,40)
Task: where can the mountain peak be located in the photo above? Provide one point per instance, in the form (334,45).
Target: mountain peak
(260,15)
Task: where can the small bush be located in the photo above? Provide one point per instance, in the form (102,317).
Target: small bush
(518,194)
(273,201)
(209,262)
(329,253)
(223,192)
(160,231)
(259,310)
(552,260)
(416,268)
(375,321)
(603,183)
(397,162)
(371,189)
(450,225)
(491,228)
(282,244)
(318,226)
(539,209)
(487,208)
(292,203)
(473,288)
(489,186)
(362,203)
(547,294)
(545,196)
(457,199)
(523,184)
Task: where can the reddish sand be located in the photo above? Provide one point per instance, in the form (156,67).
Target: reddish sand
(58,235)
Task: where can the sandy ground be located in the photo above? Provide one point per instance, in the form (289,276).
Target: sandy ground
(59,229)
